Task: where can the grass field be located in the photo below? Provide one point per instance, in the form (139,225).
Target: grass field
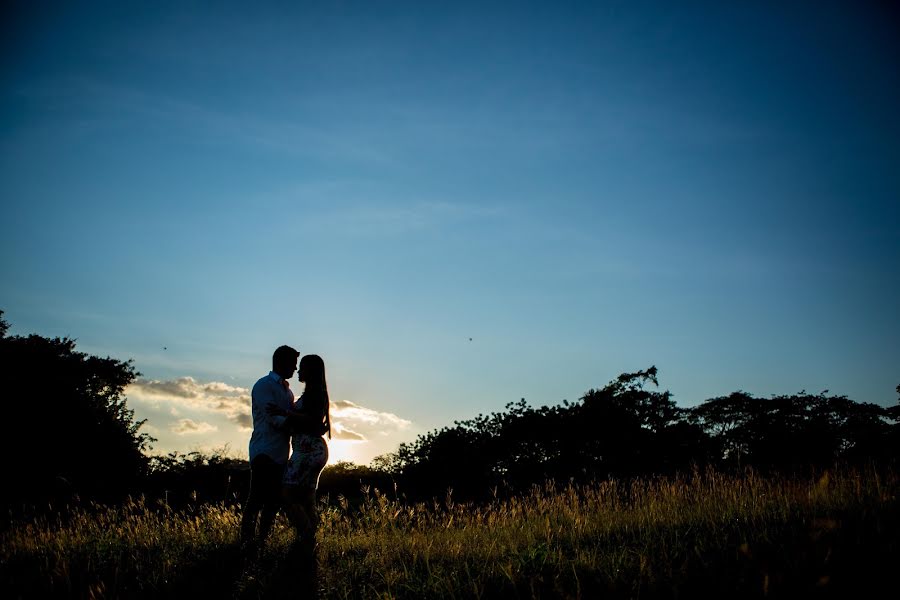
(708,534)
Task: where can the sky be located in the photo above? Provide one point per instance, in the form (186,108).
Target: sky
(455,205)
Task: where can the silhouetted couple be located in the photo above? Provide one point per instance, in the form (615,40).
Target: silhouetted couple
(277,481)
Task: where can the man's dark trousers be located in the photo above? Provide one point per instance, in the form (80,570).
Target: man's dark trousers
(263,501)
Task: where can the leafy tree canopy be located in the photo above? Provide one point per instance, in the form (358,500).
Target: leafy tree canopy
(66,429)
(630,428)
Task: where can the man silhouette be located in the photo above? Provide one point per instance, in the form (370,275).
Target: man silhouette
(269,449)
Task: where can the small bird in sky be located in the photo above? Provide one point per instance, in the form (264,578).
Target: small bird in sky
(470,339)
(165,348)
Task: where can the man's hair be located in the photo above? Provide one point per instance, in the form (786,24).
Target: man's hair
(283,354)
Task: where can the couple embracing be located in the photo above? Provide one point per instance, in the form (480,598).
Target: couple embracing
(280,423)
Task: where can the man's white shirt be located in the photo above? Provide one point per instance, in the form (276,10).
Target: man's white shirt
(270,437)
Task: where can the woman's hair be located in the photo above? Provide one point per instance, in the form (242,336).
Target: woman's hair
(313,368)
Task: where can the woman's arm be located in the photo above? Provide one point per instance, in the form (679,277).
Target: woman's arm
(299,421)
(304,422)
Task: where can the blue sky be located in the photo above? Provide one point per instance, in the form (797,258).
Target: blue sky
(581,188)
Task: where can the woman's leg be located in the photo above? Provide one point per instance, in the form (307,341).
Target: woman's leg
(301,516)
(304,548)
(307,505)
(293,510)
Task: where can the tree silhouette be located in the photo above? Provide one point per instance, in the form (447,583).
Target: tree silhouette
(623,429)
(628,428)
(795,431)
(66,429)
(197,478)
(727,419)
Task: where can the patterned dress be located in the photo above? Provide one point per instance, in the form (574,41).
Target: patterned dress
(308,457)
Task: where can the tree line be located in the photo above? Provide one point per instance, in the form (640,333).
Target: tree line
(69,435)
(629,428)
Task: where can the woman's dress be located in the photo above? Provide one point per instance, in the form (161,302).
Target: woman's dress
(309,453)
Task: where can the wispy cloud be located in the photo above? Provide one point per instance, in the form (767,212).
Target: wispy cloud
(189,426)
(353,422)
(230,400)
(350,421)
(340,432)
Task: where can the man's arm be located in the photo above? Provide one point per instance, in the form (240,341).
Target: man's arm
(264,396)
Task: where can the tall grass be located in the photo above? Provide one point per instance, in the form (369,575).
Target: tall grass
(133,549)
(701,534)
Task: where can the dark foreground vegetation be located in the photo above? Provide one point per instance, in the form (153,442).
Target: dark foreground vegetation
(699,535)
(621,494)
